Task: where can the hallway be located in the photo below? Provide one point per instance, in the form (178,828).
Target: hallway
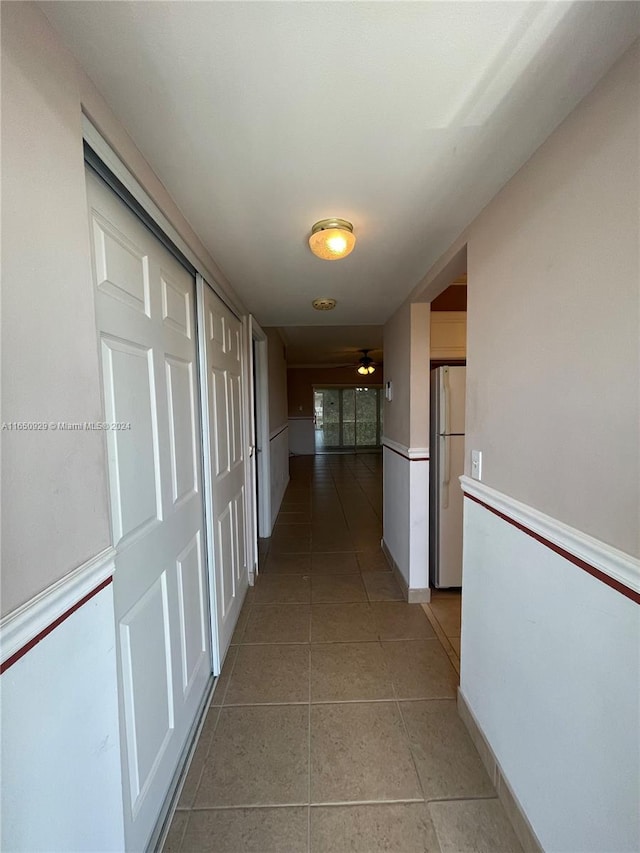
(335,693)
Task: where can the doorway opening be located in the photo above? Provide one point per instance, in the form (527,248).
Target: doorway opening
(447,452)
(347,419)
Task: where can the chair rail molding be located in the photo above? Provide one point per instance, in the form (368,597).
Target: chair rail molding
(605,559)
(417,454)
(39,614)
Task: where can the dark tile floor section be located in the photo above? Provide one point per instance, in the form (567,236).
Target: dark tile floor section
(333,726)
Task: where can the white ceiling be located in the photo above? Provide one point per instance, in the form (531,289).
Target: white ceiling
(403,117)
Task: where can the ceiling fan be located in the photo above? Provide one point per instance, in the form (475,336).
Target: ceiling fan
(366,364)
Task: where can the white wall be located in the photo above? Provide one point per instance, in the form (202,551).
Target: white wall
(62,788)
(550,665)
(302,436)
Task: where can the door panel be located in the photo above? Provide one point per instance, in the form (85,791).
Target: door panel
(145,314)
(134,475)
(224,369)
(182,428)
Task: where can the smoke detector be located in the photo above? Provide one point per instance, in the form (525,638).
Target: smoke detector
(324,303)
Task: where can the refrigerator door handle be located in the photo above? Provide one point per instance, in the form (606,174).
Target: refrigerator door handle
(445,403)
(446,470)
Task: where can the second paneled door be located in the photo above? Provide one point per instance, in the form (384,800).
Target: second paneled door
(221,333)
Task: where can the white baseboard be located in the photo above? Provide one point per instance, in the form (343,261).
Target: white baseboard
(512,807)
(411,596)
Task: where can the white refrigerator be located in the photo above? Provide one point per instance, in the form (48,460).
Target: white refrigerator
(447,464)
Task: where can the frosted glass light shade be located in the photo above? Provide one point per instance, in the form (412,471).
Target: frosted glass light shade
(332,239)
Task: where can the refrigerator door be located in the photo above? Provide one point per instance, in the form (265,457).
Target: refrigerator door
(451,382)
(449,536)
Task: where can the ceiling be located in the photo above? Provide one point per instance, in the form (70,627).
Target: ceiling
(330,345)
(403,117)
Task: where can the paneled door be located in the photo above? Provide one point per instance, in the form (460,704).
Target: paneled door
(145,311)
(222,336)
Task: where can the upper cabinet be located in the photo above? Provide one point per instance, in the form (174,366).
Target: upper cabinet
(448,334)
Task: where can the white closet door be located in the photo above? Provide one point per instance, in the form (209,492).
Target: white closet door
(145,311)
(223,345)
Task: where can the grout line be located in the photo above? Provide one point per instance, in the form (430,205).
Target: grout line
(347,803)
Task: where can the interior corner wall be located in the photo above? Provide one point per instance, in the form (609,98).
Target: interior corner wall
(278,419)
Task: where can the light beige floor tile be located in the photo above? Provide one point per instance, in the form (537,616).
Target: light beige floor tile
(447,612)
(397,827)
(448,763)
(198,761)
(473,826)
(295,517)
(397,620)
(367,541)
(382,586)
(337,623)
(278,623)
(334,564)
(223,679)
(360,752)
(373,561)
(332,545)
(342,672)
(283,589)
(288,564)
(337,589)
(281,830)
(274,673)
(241,624)
(290,545)
(259,756)
(420,669)
(173,841)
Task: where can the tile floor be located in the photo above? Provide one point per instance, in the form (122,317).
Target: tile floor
(333,726)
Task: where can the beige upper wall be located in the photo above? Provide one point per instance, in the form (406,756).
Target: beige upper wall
(278,410)
(54,494)
(553,321)
(406,365)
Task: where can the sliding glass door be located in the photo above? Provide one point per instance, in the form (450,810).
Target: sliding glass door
(348,418)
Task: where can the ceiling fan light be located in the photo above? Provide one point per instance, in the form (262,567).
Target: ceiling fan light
(365,365)
(332,239)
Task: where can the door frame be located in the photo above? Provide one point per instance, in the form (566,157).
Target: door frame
(263,463)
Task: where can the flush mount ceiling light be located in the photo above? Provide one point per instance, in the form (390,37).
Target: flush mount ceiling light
(365,365)
(332,239)
(324,304)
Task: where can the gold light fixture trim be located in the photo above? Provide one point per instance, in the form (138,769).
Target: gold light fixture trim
(324,303)
(332,239)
